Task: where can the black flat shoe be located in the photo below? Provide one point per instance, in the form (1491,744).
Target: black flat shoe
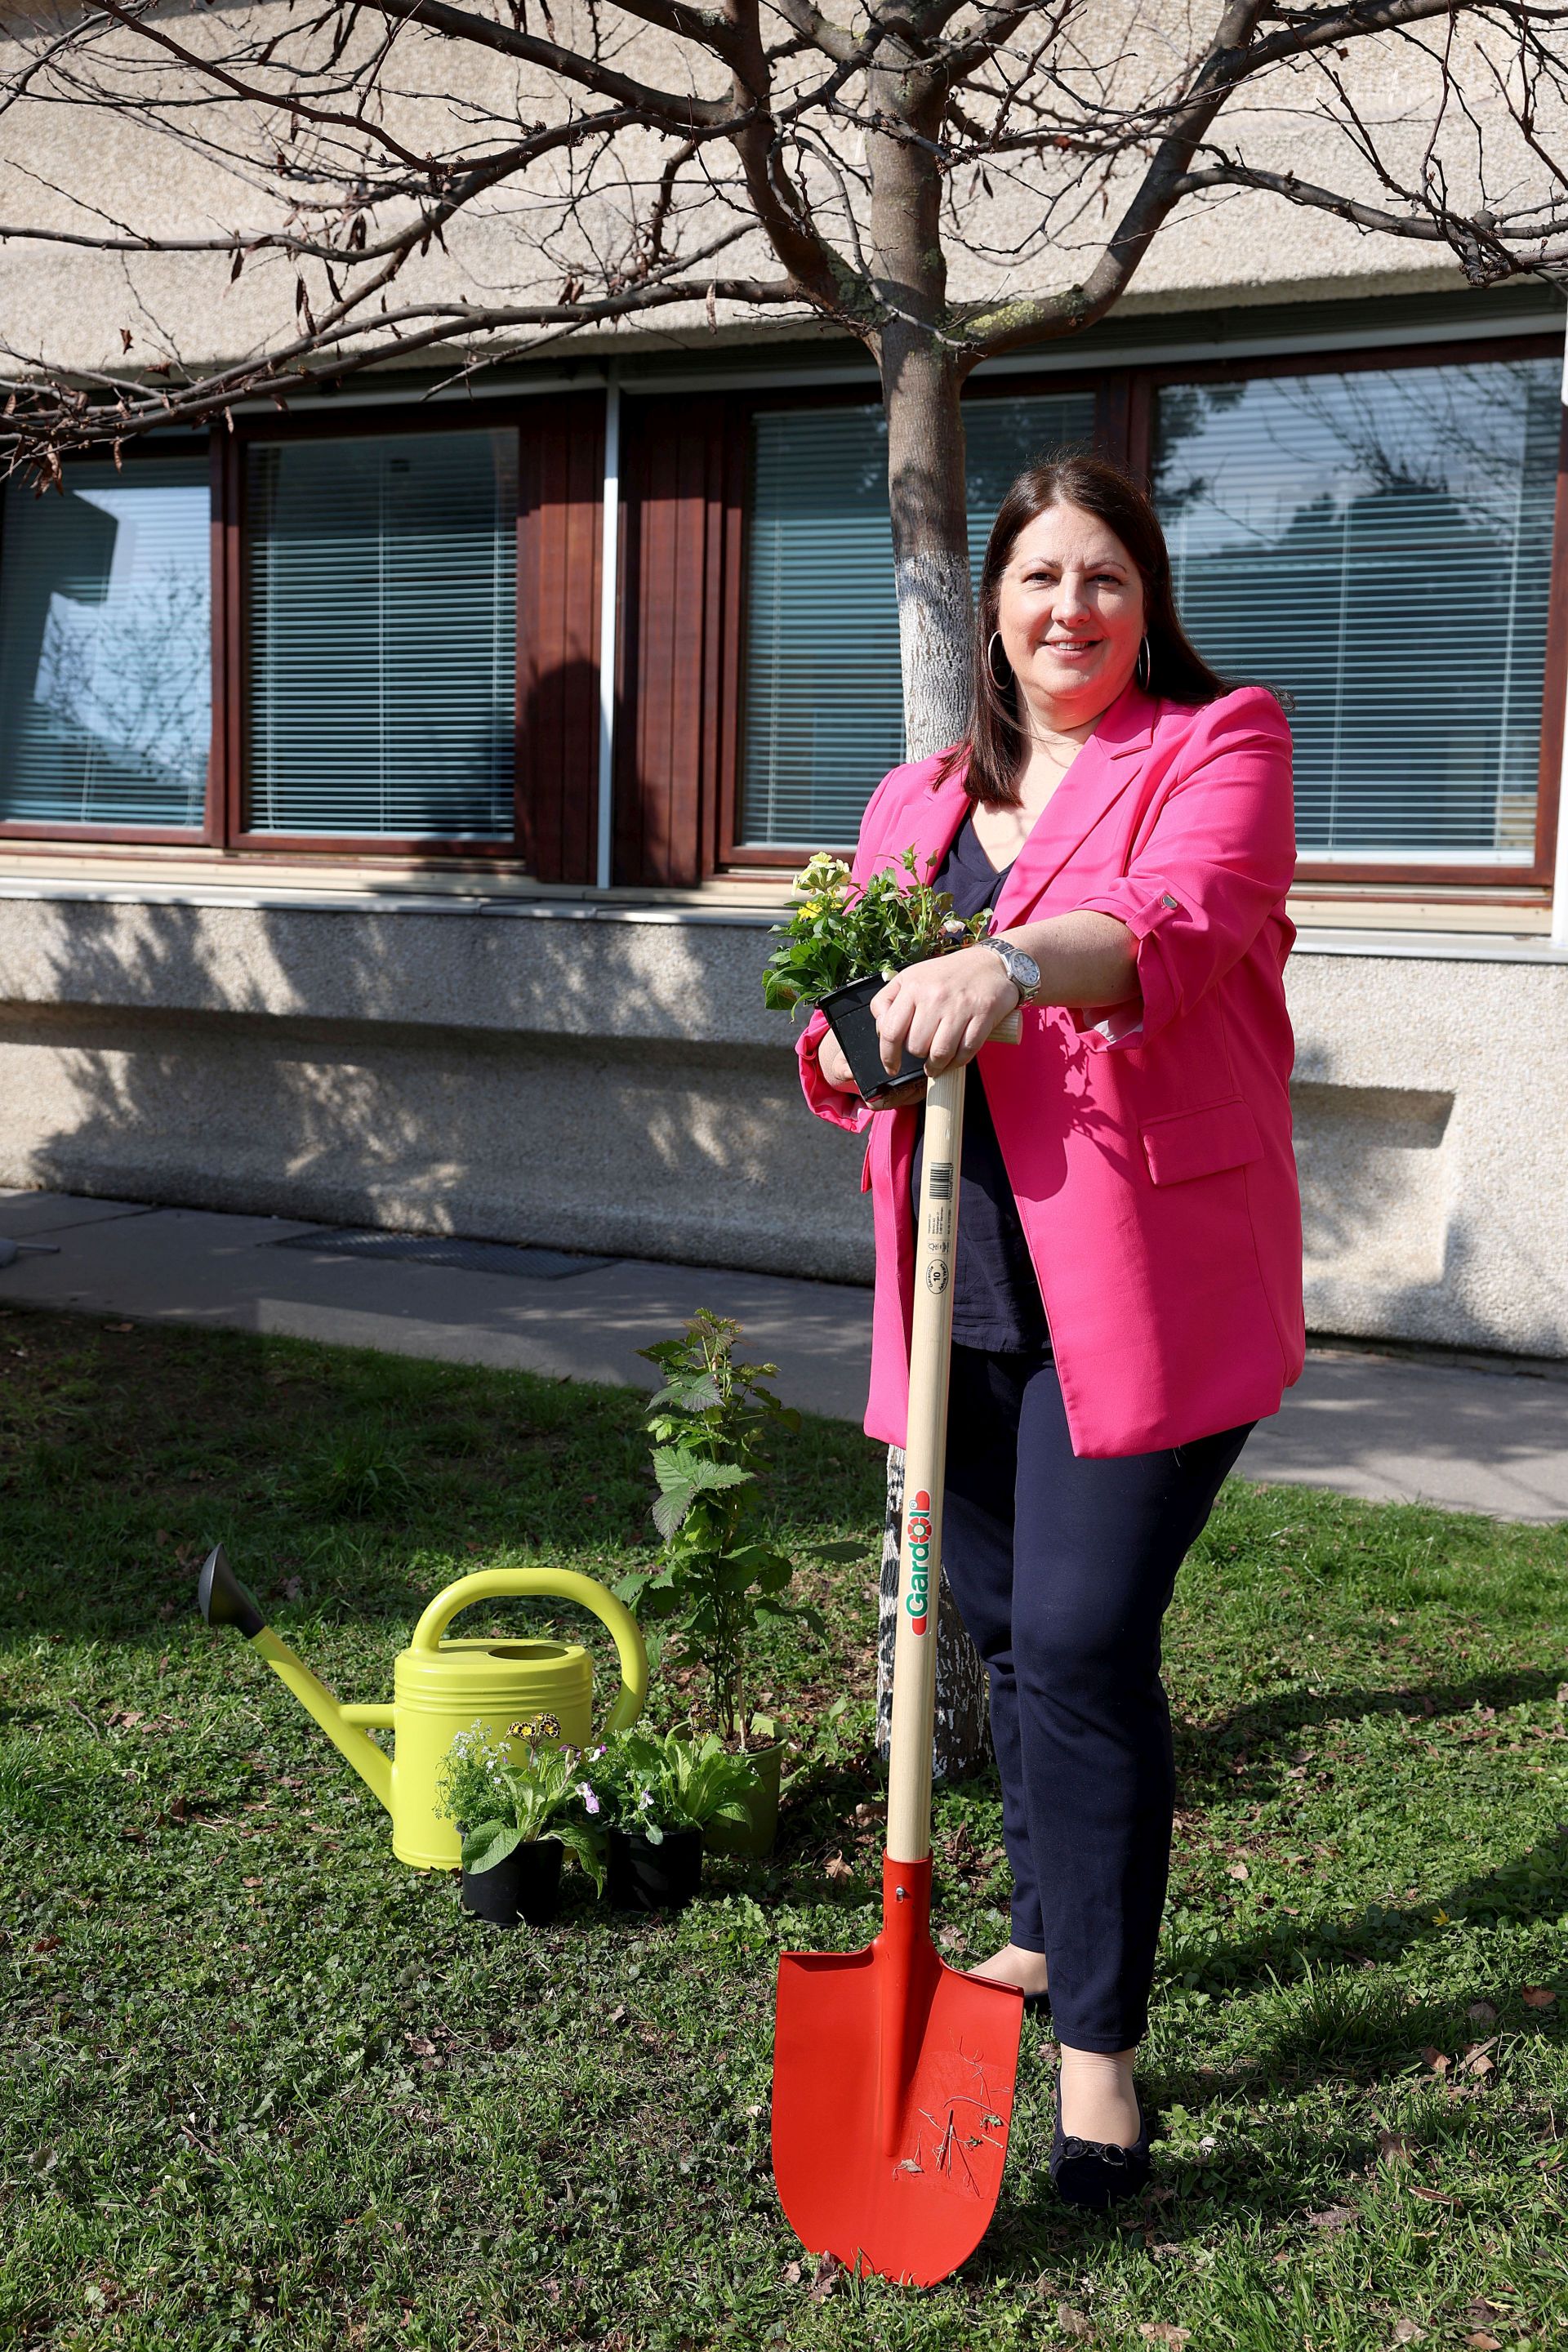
(1094,2172)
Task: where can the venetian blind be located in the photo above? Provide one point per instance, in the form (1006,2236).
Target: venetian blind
(105,646)
(1379,544)
(382,578)
(823,706)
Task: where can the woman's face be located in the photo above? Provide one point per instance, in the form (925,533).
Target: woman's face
(1072,615)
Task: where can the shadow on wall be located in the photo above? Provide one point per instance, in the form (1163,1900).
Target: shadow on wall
(450,1066)
(1393,1249)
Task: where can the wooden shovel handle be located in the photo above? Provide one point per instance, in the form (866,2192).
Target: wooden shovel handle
(925,1465)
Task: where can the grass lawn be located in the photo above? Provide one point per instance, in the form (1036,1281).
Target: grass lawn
(260,2084)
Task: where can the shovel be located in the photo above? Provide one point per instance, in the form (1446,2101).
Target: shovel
(893,2074)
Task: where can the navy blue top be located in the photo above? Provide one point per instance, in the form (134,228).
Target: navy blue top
(997,1298)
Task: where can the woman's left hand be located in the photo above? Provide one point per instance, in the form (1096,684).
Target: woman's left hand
(944,1010)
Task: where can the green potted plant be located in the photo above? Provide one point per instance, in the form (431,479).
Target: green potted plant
(519,1815)
(657,1798)
(841,944)
(718,1575)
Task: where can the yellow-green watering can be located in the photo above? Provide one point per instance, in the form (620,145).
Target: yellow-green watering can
(442,1687)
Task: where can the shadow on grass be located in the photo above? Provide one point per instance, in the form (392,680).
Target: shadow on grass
(1237,1756)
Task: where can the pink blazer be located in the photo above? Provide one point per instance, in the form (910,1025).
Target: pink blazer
(1147,1143)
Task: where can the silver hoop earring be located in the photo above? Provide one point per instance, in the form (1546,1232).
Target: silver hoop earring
(1006,680)
(1141,668)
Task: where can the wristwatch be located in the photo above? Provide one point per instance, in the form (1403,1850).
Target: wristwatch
(1022,969)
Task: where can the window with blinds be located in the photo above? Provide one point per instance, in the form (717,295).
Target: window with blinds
(382,577)
(105,646)
(1379,544)
(823,706)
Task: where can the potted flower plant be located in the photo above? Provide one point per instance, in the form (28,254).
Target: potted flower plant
(519,1813)
(718,1575)
(841,944)
(658,1798)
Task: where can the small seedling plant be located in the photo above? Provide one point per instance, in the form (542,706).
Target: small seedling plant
(718,1575)
(500,1797)
(650,1785)
(839,932)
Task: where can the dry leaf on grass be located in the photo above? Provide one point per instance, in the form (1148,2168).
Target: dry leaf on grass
(1332,2217)
(1476,2061)
(829,2270)
(1483,2341)
(1392,2147)
(838,1870)
(1073,2322)
(1481,2012)
(1163,2331)
(1238,1870)
(1406,2331)
(1434,2060)
(1537,1997)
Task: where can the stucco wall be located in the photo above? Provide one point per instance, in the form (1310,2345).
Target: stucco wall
(615,1085)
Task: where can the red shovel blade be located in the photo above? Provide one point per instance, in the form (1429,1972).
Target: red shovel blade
(893,2079)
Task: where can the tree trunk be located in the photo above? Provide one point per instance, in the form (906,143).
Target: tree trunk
(922,381)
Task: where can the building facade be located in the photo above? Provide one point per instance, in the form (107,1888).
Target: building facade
(394,797)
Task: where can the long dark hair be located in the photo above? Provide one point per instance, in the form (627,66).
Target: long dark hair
(1173,668)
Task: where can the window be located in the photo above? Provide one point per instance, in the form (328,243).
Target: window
(381,596)
(105,657)
(1380,545)
(823,703)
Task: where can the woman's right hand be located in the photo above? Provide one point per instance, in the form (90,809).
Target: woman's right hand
(834,1065)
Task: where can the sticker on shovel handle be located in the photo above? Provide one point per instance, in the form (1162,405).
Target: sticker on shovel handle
(917,1529)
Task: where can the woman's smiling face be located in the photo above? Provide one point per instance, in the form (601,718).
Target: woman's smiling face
(1072,615)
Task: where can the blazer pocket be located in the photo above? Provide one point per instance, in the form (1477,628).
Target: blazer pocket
(1200,1142)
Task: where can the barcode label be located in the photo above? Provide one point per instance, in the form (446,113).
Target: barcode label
(942,1180)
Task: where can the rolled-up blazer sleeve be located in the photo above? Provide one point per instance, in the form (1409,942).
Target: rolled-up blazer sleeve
(1211,865)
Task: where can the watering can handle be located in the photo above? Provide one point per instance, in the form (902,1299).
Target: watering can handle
(512,1583)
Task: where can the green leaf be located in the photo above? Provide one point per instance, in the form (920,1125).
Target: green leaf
(488,1844)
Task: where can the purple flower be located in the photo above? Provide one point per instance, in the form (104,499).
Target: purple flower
(589,1799)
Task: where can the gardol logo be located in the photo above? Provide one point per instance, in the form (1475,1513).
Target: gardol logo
(918,1529)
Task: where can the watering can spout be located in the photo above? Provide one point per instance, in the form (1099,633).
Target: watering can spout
(223,1600)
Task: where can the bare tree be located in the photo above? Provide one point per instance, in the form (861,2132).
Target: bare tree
(402,182)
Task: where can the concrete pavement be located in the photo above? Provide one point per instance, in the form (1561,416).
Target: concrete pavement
(1489,1436)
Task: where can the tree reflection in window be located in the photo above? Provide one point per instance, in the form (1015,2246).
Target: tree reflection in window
(105,618)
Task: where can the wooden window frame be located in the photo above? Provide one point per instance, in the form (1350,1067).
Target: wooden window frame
(231,746)
(1362,876)
(23,831)
(558,545)
(1125,398)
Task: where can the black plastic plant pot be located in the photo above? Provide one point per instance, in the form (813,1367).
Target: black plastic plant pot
(647,1877)
(849,1012)
(526,1885)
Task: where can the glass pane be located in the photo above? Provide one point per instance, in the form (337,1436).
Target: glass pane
(824,703)
(105,646)
(1380,545)
(383,585)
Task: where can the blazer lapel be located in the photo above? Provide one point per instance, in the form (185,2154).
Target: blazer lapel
(1097,779)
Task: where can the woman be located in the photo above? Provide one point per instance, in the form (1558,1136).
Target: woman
(1128,1287)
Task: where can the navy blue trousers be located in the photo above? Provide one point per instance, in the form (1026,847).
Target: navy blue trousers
(1062,1571)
